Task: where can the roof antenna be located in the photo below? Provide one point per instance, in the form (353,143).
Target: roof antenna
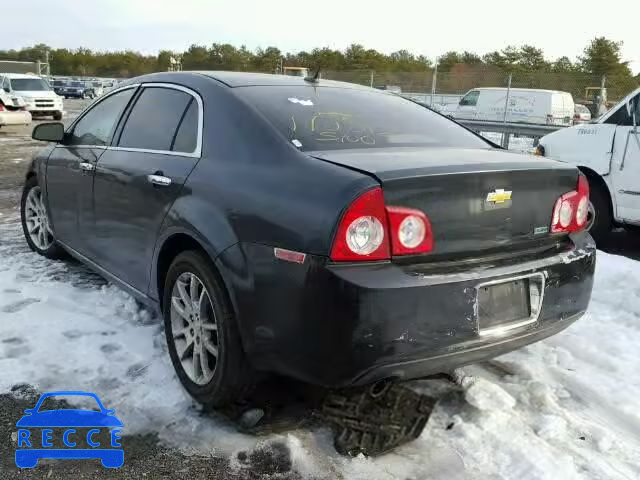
(315,78)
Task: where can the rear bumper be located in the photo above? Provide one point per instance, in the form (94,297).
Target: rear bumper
(340,325)
(15,118)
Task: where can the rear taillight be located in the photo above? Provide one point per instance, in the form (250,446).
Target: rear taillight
(571,209)
(366,227)
(362,232)
(1,107)
(410,231)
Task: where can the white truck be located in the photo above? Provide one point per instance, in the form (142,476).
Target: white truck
(607,150)
(527,105)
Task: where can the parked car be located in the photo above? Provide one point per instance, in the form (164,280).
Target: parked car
(98,88)
(326,231)
(79,89)
(40,99)
(526,105)
(607,151)
(582,115)
(13,110)
(59,86)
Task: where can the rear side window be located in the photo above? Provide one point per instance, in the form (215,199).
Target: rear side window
(187,135)
(98,124)
(327,118)
(154,119)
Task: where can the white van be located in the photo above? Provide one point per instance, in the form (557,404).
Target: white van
(38,95)
(607,151)
(549,107)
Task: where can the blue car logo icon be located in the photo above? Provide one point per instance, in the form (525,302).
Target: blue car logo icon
(33,444)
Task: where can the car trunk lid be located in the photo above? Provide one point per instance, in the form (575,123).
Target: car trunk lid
(478,201)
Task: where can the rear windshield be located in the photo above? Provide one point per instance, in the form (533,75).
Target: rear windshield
(77,84)
(28,84)
(325,118)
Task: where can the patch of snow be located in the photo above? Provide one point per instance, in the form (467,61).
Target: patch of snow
(488,396)
(563,408)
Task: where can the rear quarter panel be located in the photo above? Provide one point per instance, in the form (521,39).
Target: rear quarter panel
(252,186)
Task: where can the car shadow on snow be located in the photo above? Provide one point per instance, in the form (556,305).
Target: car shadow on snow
(625,242)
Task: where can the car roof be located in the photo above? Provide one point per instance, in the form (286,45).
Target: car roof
(246,79)
(18,75)
(515,89)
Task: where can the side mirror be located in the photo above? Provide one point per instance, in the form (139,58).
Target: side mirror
(49,132)
(7,89)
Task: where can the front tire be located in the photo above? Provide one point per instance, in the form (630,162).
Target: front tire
(202,334)
(600,218)
(35,221)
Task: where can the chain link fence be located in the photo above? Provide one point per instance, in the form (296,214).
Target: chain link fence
(448,87)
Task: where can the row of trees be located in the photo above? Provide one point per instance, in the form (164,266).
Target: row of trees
(601,57)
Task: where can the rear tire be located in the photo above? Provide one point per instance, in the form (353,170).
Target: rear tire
(34,218)
(601,221)
(232,376)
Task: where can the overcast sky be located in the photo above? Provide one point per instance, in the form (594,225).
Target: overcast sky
(559,27)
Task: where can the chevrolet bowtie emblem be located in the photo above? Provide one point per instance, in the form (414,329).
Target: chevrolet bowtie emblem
(499,196)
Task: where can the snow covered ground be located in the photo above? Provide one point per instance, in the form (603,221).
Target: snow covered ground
(520,144)
(564,408)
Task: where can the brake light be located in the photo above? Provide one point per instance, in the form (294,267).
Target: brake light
(370,231)
(571,209)
(362,232)
(410,231)
(1,107)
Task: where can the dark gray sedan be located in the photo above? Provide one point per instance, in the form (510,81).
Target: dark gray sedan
(326,231)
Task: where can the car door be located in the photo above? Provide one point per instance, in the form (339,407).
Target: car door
(70,166)
(626,165)
(468,105)
(137,179)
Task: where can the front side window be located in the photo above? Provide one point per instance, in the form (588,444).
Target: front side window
(327,118)
(29,85)
(621,117)
(98,124)
(154,119)
(470,99)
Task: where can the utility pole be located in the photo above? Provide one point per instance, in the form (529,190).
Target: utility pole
(505,136)
(434,82)
(48,65)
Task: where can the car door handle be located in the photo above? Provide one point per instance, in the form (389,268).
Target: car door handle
(159,180)
(87,167)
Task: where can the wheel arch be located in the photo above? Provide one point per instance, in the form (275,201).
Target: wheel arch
(595,179)
(170,247)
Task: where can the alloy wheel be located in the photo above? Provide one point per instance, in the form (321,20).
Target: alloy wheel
(37,220)
(194,328)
